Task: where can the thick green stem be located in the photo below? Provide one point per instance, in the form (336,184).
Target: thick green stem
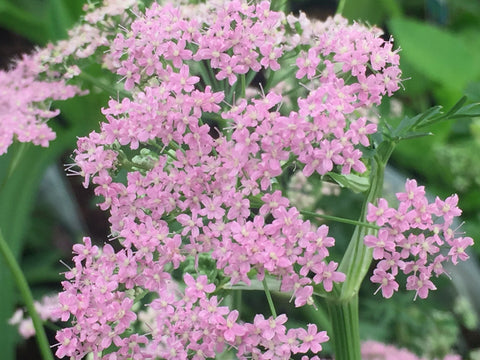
(27,298)
(343,301)
(345,328)
(357,258)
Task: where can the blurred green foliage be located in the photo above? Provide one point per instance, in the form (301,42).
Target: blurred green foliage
(40,21)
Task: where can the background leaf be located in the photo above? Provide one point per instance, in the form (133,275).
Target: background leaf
(39,21)
(438,54)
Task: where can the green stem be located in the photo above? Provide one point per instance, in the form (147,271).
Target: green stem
(339,219)
(237,300)
(318,314)
(214,82)
(269,297)
(342,302)
(345,331)
(27,298)
(341,6)
(249,78)
(357,258)
(243,85)
(269,75)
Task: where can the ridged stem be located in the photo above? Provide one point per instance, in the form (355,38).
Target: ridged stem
(357,258)
(343,301)
(345,330)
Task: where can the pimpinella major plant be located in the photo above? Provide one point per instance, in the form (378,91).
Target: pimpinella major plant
(213,106)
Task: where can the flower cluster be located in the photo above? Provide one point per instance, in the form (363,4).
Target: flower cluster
(25,101)
(201,161)
(188,323)
(46,308)
(412,237)
(34,81)
(373,350)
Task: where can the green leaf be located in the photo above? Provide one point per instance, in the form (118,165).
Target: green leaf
(371,11)
(473,91)
(39,21)
(22,22)
(409,126)
(357,184)
(436,53)
(16,200)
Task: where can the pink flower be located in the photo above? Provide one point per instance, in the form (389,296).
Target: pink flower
(304,296)
(232,329)
(271,54)
(197,288)
(273,327)
(387,282)
(307,65)
(182,80)
(311,339)
(68,343)
(457,250)
(380,214)
(412,192)
(380,243)
(421,284)
(448,208)
(326,274)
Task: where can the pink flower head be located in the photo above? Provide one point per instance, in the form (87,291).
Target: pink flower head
(311,339)
(387,282)
(381,243)
(198,288)
(204,164)
(326,274)
(421,284)
(415,232)
(457,251)
(307,65)
(379,214)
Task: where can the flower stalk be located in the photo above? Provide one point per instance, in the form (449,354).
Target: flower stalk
(269,297)
(345,332)
(24,289)
(358,257)
(343,303)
